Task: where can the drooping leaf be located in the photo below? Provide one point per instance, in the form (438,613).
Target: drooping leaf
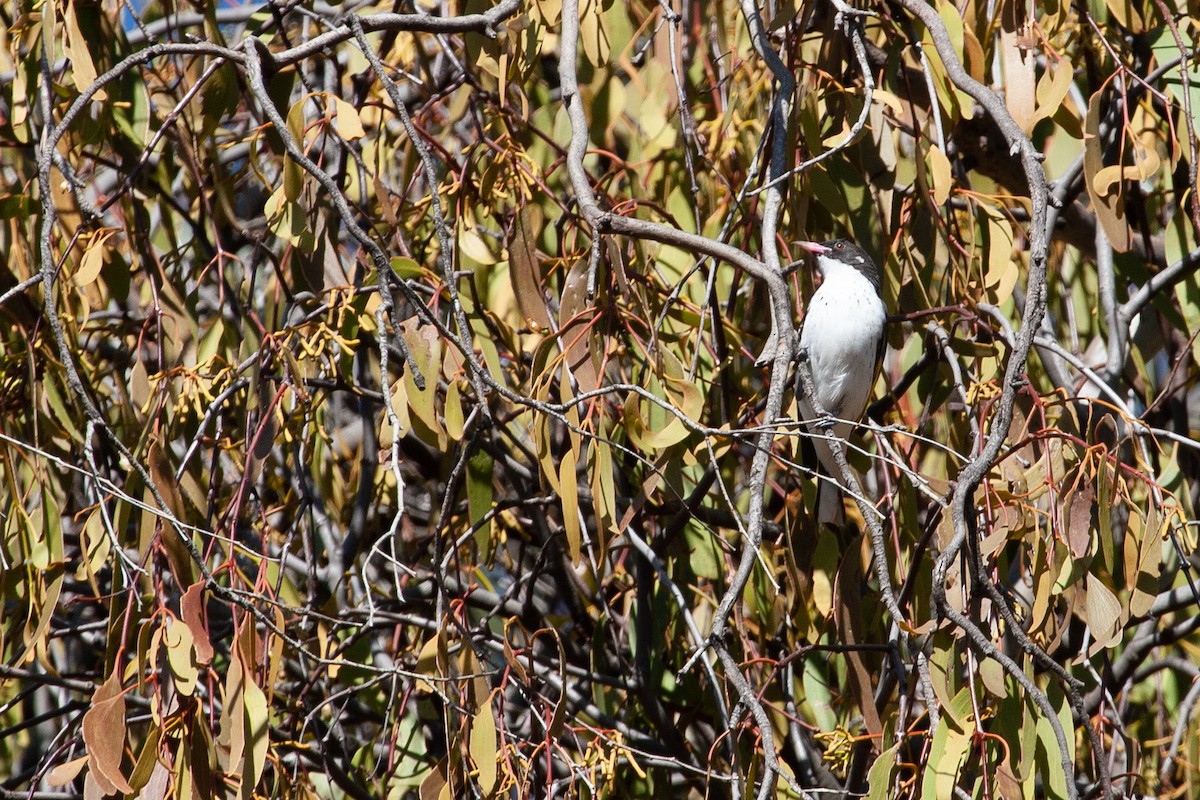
(104,736)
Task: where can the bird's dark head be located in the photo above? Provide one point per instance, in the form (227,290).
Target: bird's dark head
(844,252)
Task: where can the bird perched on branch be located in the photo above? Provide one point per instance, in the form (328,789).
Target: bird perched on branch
(842,338)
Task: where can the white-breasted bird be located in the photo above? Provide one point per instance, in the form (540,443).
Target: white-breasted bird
(842,335)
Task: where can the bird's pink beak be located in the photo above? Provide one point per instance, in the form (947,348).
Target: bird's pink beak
(813,247)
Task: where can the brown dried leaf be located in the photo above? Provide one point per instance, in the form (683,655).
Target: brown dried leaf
(848,618)
(191,607)
(510,656)
(178,555)
(575,315)
(65,773)
(104,736)
(433,785)
(1079,520)
(524,271)
(1007,785)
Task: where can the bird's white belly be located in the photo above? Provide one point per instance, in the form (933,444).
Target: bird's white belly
(842,328)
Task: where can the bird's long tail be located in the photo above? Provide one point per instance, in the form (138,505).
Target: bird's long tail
(830,508)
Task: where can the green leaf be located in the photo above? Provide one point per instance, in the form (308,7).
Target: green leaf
(480,493)
(406,268)
(879,778)
(1054,782)
(949,748)
(818,694)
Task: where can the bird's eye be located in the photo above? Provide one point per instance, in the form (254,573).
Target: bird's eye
(840,246)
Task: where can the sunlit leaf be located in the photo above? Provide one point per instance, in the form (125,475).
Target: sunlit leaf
(1110,207)
(104,736)
(569,494)
(483,747)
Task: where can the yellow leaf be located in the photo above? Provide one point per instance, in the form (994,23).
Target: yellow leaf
(483,748)
(1109,208)
(257,735)
(426,350)
(65,773)
(593,35)
(454,411)
(92,261)
(178,640)
(19,107)
(400,406)
(1052,89)
(1149,564)
(890,100)
(83,70)
(233,732)
(824,567)
(1108,177)
(939,175)
(550,11)
(1103,615)
(1000,269)
(569,492)
(952,19)
(653,429)
(284,216)
(604,492)
(428,662)
(1145,164)
(1126,15)
(139,384)
(472,245)
(575,332)
(97,545)
(349,124)
(1020,92)
(683,390)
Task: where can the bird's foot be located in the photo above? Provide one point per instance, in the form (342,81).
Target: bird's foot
(825,422)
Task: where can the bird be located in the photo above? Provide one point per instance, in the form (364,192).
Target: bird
(842,337)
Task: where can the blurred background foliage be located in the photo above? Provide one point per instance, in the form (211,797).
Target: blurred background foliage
(269,531)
